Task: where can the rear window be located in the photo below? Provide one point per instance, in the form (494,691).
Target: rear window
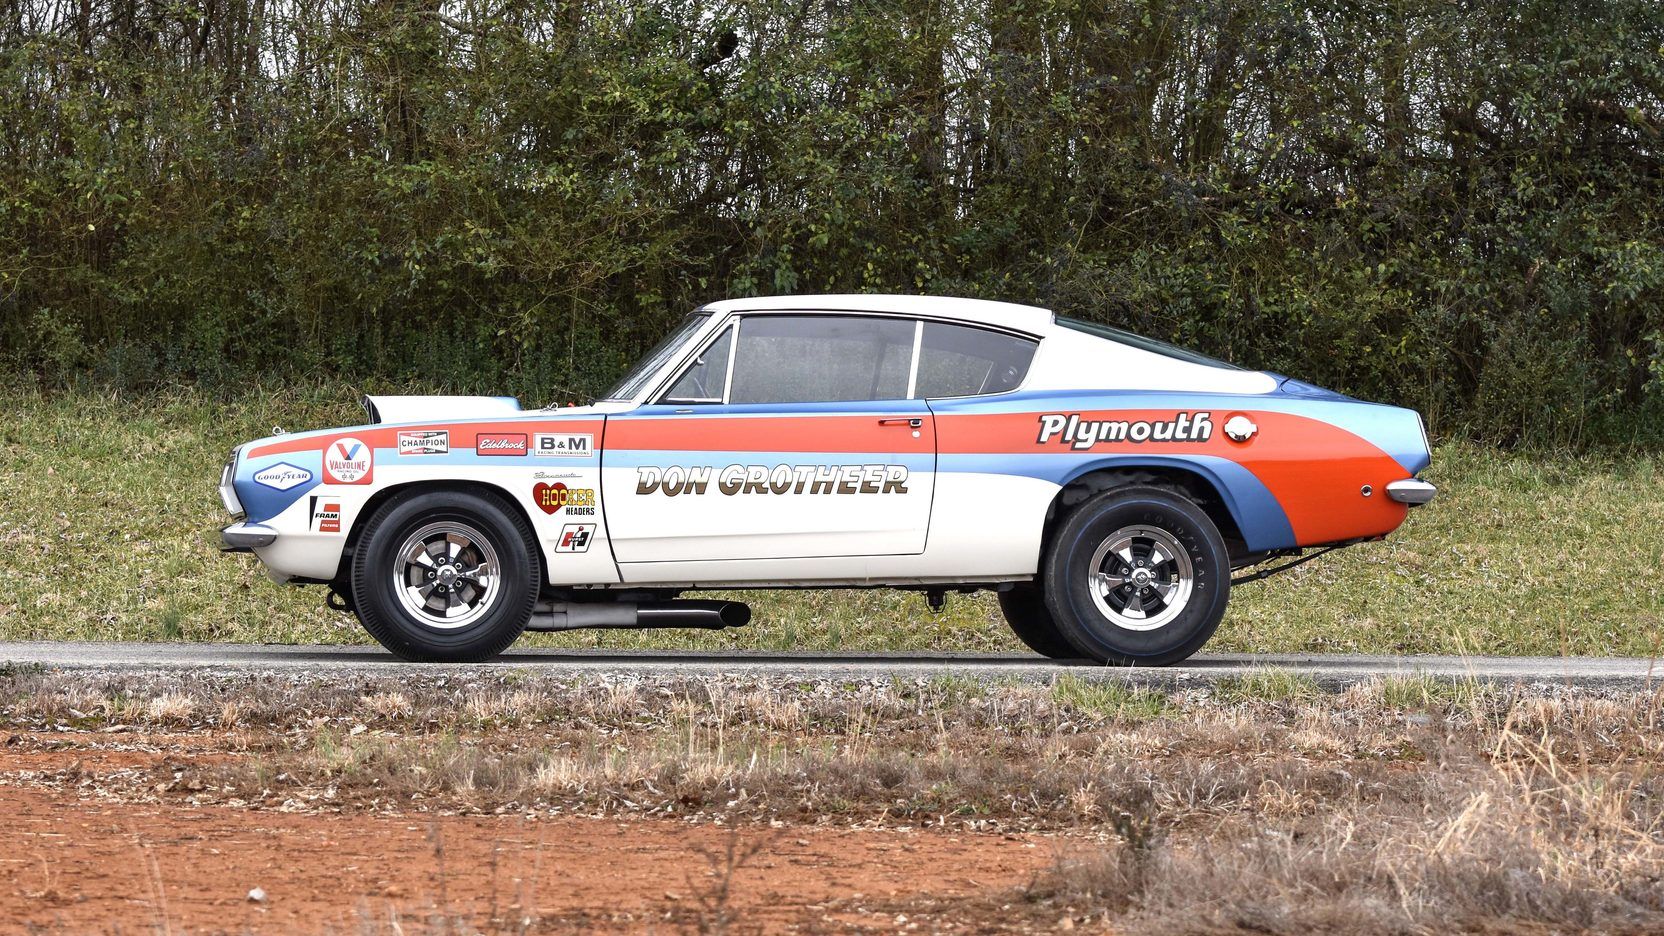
(1122,336)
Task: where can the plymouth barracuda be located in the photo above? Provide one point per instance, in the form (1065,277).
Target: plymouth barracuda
(1106,486)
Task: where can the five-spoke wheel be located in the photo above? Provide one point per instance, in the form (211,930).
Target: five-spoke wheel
(445,575)
(1136,576)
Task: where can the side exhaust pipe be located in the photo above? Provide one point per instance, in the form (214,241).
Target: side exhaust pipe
(580,615)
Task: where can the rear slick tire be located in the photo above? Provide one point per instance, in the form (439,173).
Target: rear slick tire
(1137,576)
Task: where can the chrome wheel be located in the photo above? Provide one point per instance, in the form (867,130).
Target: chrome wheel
(447,575)
(1141,578)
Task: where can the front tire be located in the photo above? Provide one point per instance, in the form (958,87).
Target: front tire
(1024,608)
(446,576)
(1137,576)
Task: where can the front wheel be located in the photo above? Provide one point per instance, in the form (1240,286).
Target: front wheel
(1137,576)
(445,576)
(1024,608)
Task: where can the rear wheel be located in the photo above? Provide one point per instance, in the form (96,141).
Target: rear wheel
(1025,610)
(445,576)
(1137,576)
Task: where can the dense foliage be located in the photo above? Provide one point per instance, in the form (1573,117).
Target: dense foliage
(1454,206)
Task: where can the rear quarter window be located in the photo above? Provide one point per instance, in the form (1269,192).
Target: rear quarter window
(961,360)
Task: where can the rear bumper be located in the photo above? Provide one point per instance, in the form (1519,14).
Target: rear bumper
(246,537)
(1412,491)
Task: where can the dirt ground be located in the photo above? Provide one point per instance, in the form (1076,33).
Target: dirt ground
(79,865)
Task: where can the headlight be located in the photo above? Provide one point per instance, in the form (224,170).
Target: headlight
(228,491)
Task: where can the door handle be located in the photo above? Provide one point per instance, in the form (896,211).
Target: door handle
(914,421)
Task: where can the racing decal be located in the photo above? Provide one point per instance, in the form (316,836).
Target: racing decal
(425,442)
(1082,434)
(552,498)
(282,476)
(326,515)
(568,444)
(575,537)
(500,443)
(348,461)
(781,479)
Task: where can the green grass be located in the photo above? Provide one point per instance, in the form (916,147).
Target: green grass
(108,520)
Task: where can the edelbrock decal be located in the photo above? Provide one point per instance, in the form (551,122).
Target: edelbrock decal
(282,476)
(500,443)
(1078,433)
(780,479)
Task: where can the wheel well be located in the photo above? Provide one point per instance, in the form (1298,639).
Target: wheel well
(418,487)
(1190,484)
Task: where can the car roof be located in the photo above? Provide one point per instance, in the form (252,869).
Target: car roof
(1003,314)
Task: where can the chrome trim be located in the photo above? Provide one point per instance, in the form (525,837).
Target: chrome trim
(242,537)
(228,490)
(1412,491)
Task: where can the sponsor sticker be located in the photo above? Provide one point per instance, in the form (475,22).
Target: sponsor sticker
(1081,434)
(424,442)
(348,461)
(500,443)
(553,498)
(676,480)
(282,476)
(567,444)
(575,537)
(326,515)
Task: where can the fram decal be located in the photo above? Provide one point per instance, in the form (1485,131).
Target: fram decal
(575,537)
(1079,433)
(348,461)
(500,443)
(568,444)
(326,515)
(424,442)
(551,498)
(780,479)
(282,476)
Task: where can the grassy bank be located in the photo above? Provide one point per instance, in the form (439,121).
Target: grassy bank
(108,517)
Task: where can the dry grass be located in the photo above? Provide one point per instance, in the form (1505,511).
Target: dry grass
(1396,806)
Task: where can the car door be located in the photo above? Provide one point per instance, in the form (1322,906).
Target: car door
(791,435)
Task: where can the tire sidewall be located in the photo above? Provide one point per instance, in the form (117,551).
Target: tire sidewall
(1069,577)
(385,616)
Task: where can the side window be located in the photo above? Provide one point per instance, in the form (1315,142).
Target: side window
(821,359)
(707,377)
(959,360)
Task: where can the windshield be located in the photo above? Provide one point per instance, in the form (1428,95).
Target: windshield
(634,382)
(1122,336)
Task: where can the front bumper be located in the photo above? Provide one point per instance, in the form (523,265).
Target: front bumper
(246,537)
(1412,491)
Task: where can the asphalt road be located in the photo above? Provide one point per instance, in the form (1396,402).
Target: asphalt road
(1330,671)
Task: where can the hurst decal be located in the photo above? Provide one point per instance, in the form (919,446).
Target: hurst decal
(575,537)
(779,479)
(1071,430)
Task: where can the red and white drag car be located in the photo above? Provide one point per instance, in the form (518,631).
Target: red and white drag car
(1104,484)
